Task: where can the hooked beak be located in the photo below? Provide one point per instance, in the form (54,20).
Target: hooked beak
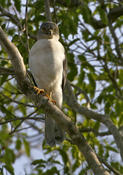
(50,33)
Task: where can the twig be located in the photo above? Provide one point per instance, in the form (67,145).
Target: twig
(26,24)
(32,125)
(83,92)
(115,39)
(14,130)
(109,166)
(106,133)
(18,102)
(21,118)
(13,18)
(16,21)
(6,71)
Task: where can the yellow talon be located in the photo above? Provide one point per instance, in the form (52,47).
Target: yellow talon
(42,91)
(39,91)
(50,99)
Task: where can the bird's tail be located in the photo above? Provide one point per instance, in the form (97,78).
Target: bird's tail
(53,133)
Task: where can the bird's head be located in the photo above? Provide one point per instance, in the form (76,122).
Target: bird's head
(48,30)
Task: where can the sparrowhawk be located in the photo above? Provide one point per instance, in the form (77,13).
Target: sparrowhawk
(47,63)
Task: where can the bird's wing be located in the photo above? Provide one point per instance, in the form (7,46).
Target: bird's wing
(64,75)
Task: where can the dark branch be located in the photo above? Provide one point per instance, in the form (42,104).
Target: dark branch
(47,10)
(13,18)
(6,71)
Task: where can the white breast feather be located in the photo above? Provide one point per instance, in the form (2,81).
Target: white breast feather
(46,63)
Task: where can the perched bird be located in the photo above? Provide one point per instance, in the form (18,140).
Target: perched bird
(47,63)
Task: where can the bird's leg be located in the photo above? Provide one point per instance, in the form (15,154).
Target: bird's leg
(42,91)
(38,90)
(49,96)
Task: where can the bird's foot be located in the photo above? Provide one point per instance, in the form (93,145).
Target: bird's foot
(50,99)
(53,101)
(42,91)
(39,91)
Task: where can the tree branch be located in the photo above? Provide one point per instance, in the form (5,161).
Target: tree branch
(6,71)
(18,102)
(71,101)
(13,18)
(47,10)
(115,40)
(109,166)
(96,133)
(26,25)
(55,112)
(16,59)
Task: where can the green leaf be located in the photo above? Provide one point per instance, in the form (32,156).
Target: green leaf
(103,15)
(121,77)
(64,156)
(18,144)
(39,161)
(3,79)
(27,147)
(92,83)
(9,168)
(52,171)
(17,4)
(9,156)
(76,165)
(110,148)
(86,12)
(72,67)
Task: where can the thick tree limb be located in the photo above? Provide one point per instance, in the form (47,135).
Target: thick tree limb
(55,112)
(115,13)
(14,54)
(16,59)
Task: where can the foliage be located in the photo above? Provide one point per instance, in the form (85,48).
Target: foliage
(93,43)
